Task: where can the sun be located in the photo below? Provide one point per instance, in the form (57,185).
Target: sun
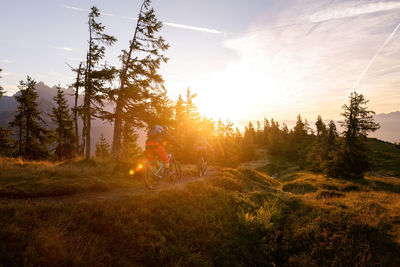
(237,94)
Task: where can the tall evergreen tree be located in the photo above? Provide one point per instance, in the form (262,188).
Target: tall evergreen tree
(5,145)
(358,121)
(299,130)
(138,75)
(102,148)
(2,92)
(32,135)
(320,125)
(130,148)
(64,131)
(96,74)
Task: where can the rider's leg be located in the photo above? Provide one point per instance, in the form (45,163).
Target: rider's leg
(162,154)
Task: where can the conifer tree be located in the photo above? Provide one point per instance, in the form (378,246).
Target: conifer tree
(2,92)
(247,146)
(300,130)
(267,127)
(102,148)
(96,74)
(5,145)
(64,131)
(32,135)
(179,117)
(138,76)
(130,148)
(320,125)
(358,121)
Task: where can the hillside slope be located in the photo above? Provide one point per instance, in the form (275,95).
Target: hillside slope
(239,217)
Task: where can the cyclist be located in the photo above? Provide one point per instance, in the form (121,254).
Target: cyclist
(201,147)
(157,138)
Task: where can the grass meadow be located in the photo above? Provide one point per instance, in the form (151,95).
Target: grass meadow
(238,217)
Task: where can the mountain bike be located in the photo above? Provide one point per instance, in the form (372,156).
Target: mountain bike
(155,172)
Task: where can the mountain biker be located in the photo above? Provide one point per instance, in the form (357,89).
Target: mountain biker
(202,147)
(157,138)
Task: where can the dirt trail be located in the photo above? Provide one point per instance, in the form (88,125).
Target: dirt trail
(115,194)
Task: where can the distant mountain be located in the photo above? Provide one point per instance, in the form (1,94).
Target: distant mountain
(8,105)
(390,127)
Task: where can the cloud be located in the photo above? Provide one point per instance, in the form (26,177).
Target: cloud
(350,11)
(281,71)
(130,18)
(5,73)
(193,28)
(107,14)
(74,8)
(5,61)
(183,26)
(64,48)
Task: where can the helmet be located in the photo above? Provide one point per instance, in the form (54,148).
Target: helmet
(158,128)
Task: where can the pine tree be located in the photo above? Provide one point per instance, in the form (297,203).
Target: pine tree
(247,146)
(2,92)
(300,130)
(96,75)
(5,145)
(130,148)
(358,121)
(32,135)
(64,131)
(320,125)
(179,118)
(102,148)
(319,152)
(139,80)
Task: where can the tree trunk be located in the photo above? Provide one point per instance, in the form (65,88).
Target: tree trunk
(88,121)
(82,147)
(116,145)
(76,107)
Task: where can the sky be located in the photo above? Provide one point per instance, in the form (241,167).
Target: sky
(246,60)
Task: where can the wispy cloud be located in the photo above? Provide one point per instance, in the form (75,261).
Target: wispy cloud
(310,69)
(375,56)
(74,8)
(352,9)
(63,48)
(130,18)
(184,26)
(107,14)
(5,61)
(193,28)
(6,73)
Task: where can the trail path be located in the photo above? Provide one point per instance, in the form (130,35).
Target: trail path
(115,194)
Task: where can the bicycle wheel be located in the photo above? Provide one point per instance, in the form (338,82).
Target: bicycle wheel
(175,172)
(204,167)
(200,166)
(153,174)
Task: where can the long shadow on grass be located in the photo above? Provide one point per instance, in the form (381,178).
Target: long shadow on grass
(376,185)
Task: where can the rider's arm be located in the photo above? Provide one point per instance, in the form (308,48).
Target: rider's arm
(171,139)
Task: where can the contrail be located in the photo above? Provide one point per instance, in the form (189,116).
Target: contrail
(376,55)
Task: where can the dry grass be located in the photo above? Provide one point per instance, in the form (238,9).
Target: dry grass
(237,217)
(19,179)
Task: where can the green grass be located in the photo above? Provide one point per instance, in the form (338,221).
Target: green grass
(385,157)
(240,217)
(20,179)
